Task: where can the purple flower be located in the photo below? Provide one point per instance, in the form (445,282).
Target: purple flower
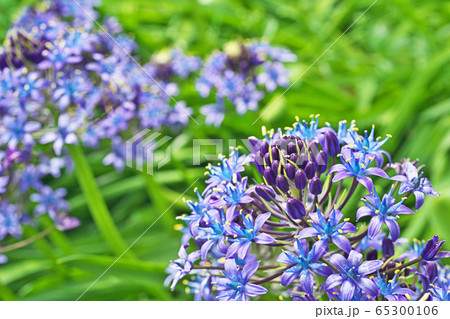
(233,194)
(274,75)
(9,220)
(413,182)
(304,263)
(30,178)
(182,266)
(214,112)
(328,230)
(225,171)
(244,236)
(356,166)
(391,289)
(65,134)
(215,232)
(50,201)
(236,285)
(72,89)
(30,85)
(383,211)
(118,155)
(368,144)
(14,131)
(431,251)
(57,56)
(353,275)
(4,180)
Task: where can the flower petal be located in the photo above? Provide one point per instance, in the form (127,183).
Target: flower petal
(369,266)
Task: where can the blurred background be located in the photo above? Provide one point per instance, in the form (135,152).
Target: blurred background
(390,69)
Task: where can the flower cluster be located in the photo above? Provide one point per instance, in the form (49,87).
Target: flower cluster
(64,81)
(241,74)
(292,233)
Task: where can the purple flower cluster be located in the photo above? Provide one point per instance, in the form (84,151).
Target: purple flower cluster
(287,231)
(63,81)
(241,74)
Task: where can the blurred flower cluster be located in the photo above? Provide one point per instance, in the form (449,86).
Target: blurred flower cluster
(241,75)
(66,80)
(283,232)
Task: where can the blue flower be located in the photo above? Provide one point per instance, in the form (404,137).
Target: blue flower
(383,211)
(274,75)
(14,131)
(356,166)
(215,232)
(71,89)
(328,230)
(304,263)
(9,220)
(391,289)
(412,181)
(225,171)
(117,157)
(353,275)
(236,285)
(368,144)
(182,266)
(233,193)
(50,201)
(65,134)
(242,237)
(30,178)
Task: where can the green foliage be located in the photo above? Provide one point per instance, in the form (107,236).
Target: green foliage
(391,69)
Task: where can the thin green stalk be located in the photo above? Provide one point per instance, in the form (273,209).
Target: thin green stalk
(95,201)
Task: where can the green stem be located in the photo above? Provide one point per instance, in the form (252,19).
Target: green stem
(95,201)
(27,241)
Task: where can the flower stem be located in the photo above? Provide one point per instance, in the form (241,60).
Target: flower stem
(95,201)
(349,194)
(27,241)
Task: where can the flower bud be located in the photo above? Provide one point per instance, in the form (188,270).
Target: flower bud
(290,171)
(331,144)
(302,160)
(315,186)
(254,144)
(430,251)
(310,170)
(282,183)
(265,192)
(388,248)
(300,179)
(275,153)
(274,166)
(292,148)
(372,254)
(264,147)
(295,208)
(322,162)
(269,176)
(293,158)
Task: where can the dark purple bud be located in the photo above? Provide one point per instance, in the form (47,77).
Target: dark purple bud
(388,248)
(265,192)
(275,165)
(372,254)
(267,159)
(275,153)
(254,144)
(322,162)
(432,270)
(431,248)
(292,148)
(331,144)
(302,160)
(313,148)
(269,176)
(293,158)
(300,179)
(264,147)
(315,186)
(282,183)
(290,171)
(310,170)
(295,208)
(259,158)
